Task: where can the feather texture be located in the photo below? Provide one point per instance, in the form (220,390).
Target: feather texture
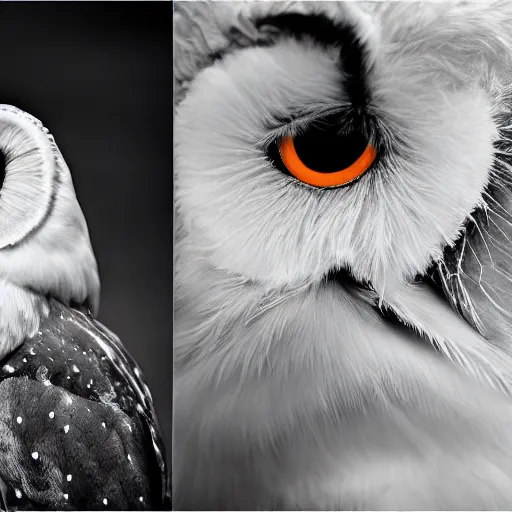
(292,389)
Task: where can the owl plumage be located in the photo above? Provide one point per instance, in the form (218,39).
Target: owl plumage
(343,347)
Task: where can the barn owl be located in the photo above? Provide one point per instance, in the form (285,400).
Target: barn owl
(45,248)
(78,428)
(343,265)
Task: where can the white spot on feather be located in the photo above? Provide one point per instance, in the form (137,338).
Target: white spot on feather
(19,419)
(35,455)
(66,429)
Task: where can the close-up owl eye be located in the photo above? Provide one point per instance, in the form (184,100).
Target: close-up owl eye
(323,155)
(343,255)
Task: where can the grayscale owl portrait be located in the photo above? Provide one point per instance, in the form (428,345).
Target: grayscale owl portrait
(343,260)
(78,429)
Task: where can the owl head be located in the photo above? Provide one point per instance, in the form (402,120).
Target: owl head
(370,138)
(44,241)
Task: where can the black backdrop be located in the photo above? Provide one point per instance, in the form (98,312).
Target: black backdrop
(98,75)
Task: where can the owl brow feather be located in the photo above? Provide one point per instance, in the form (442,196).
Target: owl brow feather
(327,32)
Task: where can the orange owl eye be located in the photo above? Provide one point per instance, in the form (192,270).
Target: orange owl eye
(324,158)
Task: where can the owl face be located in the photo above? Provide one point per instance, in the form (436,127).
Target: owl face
(313,137)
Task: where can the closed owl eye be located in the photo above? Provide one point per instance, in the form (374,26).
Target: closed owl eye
(324,157)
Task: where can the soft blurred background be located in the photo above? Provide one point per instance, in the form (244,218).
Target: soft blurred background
(98,75)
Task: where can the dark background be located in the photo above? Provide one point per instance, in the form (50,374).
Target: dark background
(98,75)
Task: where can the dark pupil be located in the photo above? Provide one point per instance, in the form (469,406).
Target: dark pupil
(325,150)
